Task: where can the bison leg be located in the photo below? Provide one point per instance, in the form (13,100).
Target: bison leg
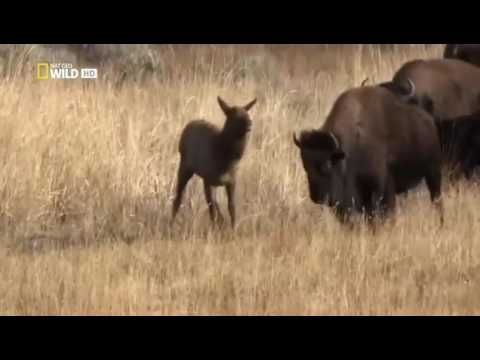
(434,184)
(183,177)
(382,199)
(469,165)
(373,208)
(389,198)
(230,190)
(378,209)
(370,195)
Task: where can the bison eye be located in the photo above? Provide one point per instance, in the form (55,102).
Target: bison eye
(322,169)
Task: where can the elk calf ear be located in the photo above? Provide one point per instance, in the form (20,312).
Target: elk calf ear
(337,155)
(223,105)
(250,104)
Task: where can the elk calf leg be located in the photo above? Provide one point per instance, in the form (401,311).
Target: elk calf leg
(183,177)
(220,218)
(213,208)
(209,198)
(230,189)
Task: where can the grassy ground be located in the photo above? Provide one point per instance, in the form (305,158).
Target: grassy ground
(88,175)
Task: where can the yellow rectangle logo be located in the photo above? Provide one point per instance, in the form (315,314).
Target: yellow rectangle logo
(44,75)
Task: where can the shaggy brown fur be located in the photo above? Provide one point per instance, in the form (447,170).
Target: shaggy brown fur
(466,52)
(460,142)
(371,147)
(214,154)
(447,88)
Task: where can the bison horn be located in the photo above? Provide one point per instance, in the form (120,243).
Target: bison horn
(295,140)
(412,88)
(335,140)
(364,82)
(455,50)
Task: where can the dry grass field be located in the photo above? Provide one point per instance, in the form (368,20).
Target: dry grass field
(88,173)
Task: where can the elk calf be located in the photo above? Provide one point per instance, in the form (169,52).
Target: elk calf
(214,154)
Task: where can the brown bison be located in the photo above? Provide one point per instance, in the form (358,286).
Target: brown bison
(214,154)
(466,52)
(460,143)
(446,88)
(371,147)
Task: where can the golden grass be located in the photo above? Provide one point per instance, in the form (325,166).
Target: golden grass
(88,174)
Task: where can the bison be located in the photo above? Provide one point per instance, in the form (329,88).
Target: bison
(460,143)
(446,88)
(371,147)
(466,52)
(214,154)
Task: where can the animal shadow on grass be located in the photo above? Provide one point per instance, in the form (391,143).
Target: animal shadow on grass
(126,220)
(54,239)
(196,224)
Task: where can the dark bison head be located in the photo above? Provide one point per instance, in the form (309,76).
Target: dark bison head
(322,156)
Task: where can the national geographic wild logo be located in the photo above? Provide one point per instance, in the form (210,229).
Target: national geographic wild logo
(56,71)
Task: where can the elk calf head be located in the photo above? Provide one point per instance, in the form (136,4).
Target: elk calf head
(238,121)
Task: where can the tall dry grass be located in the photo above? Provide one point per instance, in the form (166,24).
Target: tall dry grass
(88,174)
